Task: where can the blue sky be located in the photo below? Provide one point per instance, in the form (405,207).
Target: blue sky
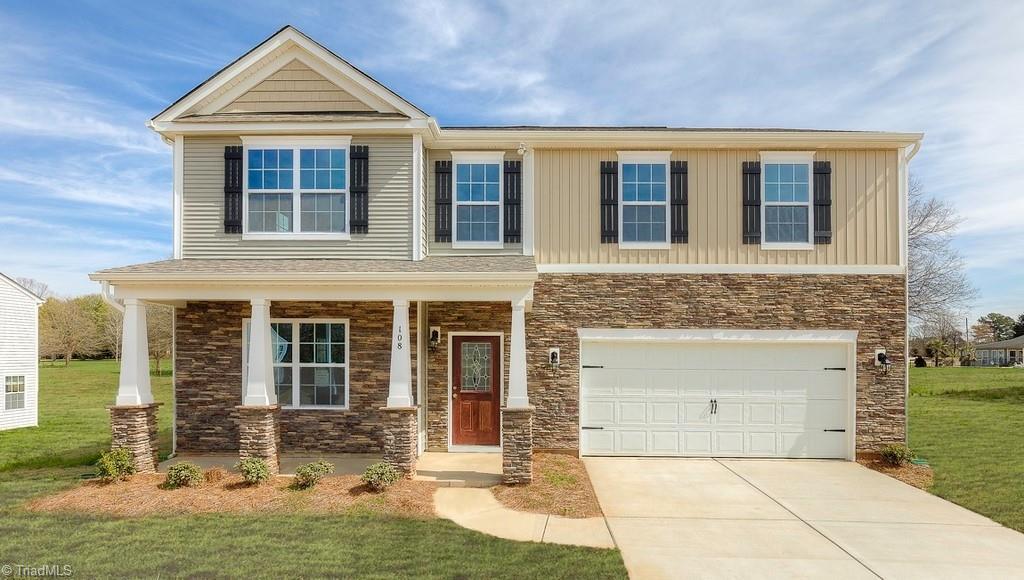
(84,185)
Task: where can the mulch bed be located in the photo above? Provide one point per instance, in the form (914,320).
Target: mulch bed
(560,487)
(919,476)
(142,496)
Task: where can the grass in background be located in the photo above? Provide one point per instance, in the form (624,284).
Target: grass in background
(969,424)
(74,424)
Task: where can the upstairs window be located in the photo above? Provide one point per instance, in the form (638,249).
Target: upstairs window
(644,200)
(477,202)
(305,176)
(786,188)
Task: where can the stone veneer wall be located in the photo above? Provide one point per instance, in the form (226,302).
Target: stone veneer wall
(208,377)
(459,317)
(873,305)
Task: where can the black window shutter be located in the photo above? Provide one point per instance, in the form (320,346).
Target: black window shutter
(680,203)
(513,202)
(233,189)
(822,202)
(609,202)
(751,202)
(359,189)
(443,201)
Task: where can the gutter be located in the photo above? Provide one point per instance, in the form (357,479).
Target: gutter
(108,296)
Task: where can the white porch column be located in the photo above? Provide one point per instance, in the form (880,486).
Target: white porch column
(517,396)
(133,384)
(400,386)
(259,384)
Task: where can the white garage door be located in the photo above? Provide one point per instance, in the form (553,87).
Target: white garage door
(715,399)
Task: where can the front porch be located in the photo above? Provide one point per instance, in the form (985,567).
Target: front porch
(444,469)
(287,372)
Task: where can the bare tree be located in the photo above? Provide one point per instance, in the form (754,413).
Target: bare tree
(159,321)
(937,281)
(66,329)
(110,332)
(38,288)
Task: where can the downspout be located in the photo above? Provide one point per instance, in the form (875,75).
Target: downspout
(108,297)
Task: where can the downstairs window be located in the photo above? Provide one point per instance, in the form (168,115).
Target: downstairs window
(310,360)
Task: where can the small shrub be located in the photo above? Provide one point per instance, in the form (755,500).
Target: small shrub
(254,470)
(310,474)
(115,465)
(896,455)
(380,476)
(183,474)
(215,474)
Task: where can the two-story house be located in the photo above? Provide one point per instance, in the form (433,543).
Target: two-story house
(350,276)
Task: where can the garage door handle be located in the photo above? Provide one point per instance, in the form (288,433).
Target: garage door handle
(593,366)
(592,428)
(835,430)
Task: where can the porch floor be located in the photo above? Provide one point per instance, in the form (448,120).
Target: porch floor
(460,469)
(346,464)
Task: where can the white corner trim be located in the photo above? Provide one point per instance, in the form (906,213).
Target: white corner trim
(418,196)
(718,269)
(177,200)
(715,335)
(528,215)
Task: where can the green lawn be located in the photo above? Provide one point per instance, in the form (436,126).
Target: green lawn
(969,424)
(74,427)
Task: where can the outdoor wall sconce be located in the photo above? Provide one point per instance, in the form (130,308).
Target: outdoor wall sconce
(882,361)
(554,357)
(435,338)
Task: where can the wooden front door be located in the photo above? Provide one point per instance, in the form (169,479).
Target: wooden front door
(476,390)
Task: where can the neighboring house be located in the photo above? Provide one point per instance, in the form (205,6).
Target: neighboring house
(1001,353)
(394,285)
(19,355)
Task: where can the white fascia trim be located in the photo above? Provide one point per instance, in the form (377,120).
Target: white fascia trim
(480,278)
(296,140)
(714,335)
(418,196)
(180,293)
(288,128)
(717,269)
(177,202)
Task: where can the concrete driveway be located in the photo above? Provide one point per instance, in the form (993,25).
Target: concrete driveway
(708,518)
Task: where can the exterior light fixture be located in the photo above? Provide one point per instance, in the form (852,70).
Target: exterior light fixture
(554,357)
(435,338)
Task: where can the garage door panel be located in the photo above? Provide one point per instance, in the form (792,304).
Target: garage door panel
(773,400)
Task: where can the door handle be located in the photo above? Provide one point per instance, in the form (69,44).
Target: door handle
(714,406)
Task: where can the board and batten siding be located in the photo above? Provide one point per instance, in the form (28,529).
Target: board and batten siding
(390,232)
(19,353)
(438,248)
(865,211)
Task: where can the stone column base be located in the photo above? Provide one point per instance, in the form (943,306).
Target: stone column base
(517,445)
(134,428)
(259,435)
(400,435)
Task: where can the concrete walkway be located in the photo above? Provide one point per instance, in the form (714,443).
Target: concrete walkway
(478,509)
(706,518)
(460,469)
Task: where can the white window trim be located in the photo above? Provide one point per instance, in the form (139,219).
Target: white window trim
(296,365)
(23,392)
(460,157)
(654,158)
(794,157)
(295,143)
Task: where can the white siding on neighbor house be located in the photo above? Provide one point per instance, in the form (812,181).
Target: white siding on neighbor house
(390,233)
(19,353)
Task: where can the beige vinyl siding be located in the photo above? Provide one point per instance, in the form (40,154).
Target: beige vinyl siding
(434,155)
(390,232)
(19,353)
(865,211)
(295,88)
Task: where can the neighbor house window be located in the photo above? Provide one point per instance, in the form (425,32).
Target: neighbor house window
(644,199)
(307,177)
(14,393)
(477,200)
(786,205)
(310,362)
